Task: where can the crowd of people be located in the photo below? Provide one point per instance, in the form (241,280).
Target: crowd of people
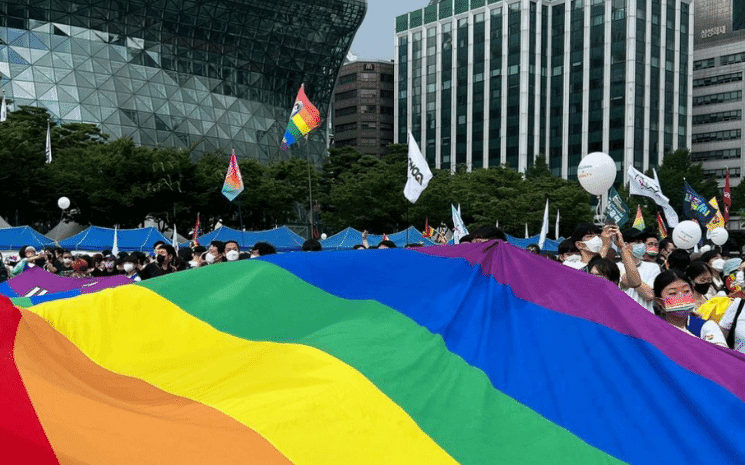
(701,293)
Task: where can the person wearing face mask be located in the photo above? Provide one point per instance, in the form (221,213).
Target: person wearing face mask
(666,246)
(675,299)
(65,268)
(215,253)
(700,277)
(652,248)
(569,254)
(587,240)
(232,251)
(715,262)
(163,263)
(107,266)
(643,294)
(131,268)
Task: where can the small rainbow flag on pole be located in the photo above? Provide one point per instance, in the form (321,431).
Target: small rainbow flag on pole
(233,180)
(661,226)
(303,119)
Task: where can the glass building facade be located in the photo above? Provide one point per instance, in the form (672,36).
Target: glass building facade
(207,74)
(561,78)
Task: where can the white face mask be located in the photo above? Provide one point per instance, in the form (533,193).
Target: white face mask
(573,258)
(718,264)
(232,255)
(193,263)
(209,258)
(128,267)
(594,245)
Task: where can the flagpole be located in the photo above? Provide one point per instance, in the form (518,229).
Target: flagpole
(240,219)
(310,190)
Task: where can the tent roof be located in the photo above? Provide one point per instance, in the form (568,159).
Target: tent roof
(64,229)
(283,238)
(4,224)
(128,240)
(350,237)
(549,246)
(15,238)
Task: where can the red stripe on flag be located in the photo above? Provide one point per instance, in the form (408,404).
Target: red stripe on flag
(22,438)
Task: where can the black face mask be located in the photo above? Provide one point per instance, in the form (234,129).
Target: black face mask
(40,262)
(701,288)
(161,259)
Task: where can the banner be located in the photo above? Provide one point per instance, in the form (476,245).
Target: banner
(639,184)
(617,209)
(696,207)
(418,171)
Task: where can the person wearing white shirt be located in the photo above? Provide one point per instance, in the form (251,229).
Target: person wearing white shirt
(648,271)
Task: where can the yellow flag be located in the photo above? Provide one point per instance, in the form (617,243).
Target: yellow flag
(718,220)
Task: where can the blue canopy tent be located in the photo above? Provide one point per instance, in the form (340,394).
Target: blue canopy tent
(128,240)
(15,238)
(350,237)
(549,246)
(283,239)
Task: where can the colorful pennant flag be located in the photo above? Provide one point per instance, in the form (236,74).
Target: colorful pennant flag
(195,232)
(233,185)
(661,226)
(303,119)
(370,345)
(695,206)
(727,198)
(639,220)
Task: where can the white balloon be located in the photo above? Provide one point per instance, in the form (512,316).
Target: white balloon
(719,236)
(323,236)
(63,203)
(596,173)
(686,234)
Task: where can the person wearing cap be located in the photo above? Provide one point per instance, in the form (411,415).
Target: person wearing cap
(28,256)
(643,294)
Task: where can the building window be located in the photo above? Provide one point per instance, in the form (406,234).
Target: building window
(703,64)
(346,95)
(722,172)
(384,77)
(369,93)
(716,136)
(367,108)
(715,80)
(725,154)
(386,110)
(346,127)
(347,78)
(368,77)
(346,143)
(368,125)
(734,115)
(717,98)
(731,59)
(345,111)
(386,94)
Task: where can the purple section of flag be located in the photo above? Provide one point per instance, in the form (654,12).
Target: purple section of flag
(37,281)
(554,286)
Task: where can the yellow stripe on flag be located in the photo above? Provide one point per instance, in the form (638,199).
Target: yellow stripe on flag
(311,406)
(300,123)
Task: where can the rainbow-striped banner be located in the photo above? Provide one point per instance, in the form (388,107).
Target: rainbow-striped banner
(354,357)
(233,185)
(303,119)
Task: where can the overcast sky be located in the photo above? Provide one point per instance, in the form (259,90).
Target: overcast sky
(374,40)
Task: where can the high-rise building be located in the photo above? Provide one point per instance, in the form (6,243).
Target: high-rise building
(363,107)
(718,85)
(484,83)
(210,74)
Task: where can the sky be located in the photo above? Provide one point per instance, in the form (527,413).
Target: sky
(374,39)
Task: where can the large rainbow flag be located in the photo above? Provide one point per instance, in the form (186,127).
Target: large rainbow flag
(303,119)
(353,357)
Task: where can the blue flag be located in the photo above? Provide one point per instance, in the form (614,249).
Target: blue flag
(696,206)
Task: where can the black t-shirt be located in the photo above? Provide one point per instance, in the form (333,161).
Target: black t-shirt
(153,270)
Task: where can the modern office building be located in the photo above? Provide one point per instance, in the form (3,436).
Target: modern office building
(210,74)
(718,85)
(363,107)
(483,83)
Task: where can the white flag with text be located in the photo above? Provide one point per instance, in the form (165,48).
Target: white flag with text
(419,173)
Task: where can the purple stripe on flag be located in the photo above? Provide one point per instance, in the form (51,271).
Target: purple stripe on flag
(37,281)
(597,301)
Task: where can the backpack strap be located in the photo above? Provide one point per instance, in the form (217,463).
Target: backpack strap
(731,335)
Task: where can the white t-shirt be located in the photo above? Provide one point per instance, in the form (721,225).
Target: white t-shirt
(729,318)
(647,271)
(711,332)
